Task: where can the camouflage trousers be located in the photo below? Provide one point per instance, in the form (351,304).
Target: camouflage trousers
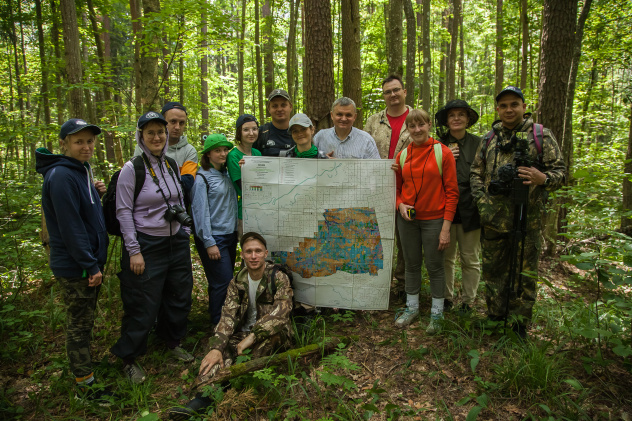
(267,347)
(497,250)
(80,301)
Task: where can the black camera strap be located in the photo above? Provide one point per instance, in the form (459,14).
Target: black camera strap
(154,177)
(412,178)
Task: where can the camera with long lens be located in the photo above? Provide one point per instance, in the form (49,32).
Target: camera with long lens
(179,214)
(508,182)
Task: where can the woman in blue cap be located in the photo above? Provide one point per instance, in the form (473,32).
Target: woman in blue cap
(214,209)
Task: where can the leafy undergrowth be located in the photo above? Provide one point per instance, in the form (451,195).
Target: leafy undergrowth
(469,371)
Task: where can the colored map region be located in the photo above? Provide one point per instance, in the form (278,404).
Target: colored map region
(347,240)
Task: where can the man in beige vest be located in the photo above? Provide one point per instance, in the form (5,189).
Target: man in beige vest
(389,131)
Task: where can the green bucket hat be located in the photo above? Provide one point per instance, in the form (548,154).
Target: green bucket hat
(213,141)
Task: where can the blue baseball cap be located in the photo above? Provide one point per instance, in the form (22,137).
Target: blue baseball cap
(150,116)
(75,125)
(245,118)
(510,90)
(171,105)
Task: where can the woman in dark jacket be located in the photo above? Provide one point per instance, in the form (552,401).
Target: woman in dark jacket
(457,116)
(78,240)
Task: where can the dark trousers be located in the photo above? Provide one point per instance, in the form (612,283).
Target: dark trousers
(218,272)
(81,301)
(162,291)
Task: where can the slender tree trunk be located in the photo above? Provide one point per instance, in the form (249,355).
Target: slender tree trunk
(44,70)
(268,42)
(351,64)
(395,45)
(291,61)
(454,32)
(24,64)
(524,23)
(204,74)
(150,52)
(73,57)
(626,221)
(242,37)
(427,58)
(500,56)
(319,57)
(461,56)
(259,64)
(165,70)
(181,80)
(134,6)
(411,49)
(445,52)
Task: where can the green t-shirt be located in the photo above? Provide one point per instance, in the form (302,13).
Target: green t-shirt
(234,170)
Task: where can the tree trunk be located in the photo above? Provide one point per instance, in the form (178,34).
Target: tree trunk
(524,23)
(395,45)
(411,49)
(427,58)
(73,57)
(181,80)
(259,65)
(150,52)
(240,58)
(500,58)
(461,57)
(454,32)
(445,52)
(559,20)
(268,43)
(351,64)
(204,74)
(584,113)
(59,100)
(134,7)
(44,70)
(319,57)
(292,62)
(626,221)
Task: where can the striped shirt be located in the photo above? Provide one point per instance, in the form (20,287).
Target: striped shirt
(358,145)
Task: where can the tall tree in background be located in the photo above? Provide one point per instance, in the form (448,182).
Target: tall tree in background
(73,57)
(268,47)
(259,64)
(44,72)
(411,48)
(395,32)
(500,56)
(240,58)
(292,60)
(351,64)
(445,55)
(204,73)
(524,23)
(319,62)
(427,59)
(137,27)
(559,20)
(626,221)
(150,52)
(454,33)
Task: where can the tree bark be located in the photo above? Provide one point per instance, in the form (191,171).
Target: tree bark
(395,45)
(445,52)
(204,74)
(524,21)
(259,64)
(427,58)
(500,57)
(626,221)
(73,57)
(319,57)
(327,345)
(411,49)
(351,64)
(134,7)
(240,58)
(292,62)
(59,100)
(268,43)
(44,70)
(150,52)
(454,33)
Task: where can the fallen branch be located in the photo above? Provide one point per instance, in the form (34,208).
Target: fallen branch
(237,370)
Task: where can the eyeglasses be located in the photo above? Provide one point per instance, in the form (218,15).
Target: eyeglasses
(392,91)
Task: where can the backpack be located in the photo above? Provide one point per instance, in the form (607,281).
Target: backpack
(112,224)
(275,269)
(538,138)
(438,156)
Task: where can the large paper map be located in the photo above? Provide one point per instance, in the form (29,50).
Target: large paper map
(330,220)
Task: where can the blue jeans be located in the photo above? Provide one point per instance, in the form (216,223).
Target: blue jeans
(218,272)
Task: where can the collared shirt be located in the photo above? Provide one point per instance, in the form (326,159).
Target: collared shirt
(358,145)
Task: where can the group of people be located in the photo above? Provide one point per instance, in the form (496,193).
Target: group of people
(443,200)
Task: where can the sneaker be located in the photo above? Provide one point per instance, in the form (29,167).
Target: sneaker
(434,326)
(405,316)
(447,305)
(181,354)
(96,394)
(134,373)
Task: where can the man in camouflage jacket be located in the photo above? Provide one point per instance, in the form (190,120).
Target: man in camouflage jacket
(272,329)
(497,211)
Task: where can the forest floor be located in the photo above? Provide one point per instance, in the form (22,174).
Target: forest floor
(469,371)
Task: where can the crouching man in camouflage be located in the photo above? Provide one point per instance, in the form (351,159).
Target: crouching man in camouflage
(515,146)
(255,315)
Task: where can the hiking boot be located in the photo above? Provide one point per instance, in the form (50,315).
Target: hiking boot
(447,305)
(181,354)
(198,405)
(134,373)
(405,316)
(96,394)
(434,326)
